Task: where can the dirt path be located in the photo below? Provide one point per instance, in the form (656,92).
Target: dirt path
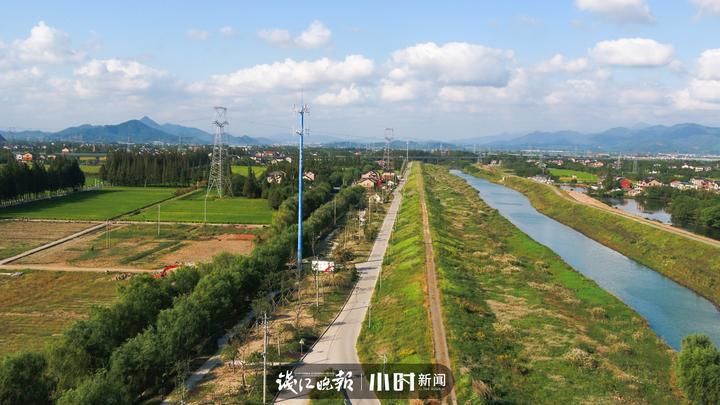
(47,267)
(584,199)
(442,355)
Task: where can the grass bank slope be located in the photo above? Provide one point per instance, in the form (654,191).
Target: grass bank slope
(523,326)
(400,328)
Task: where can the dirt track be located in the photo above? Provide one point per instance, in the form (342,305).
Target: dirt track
(442,355)
(48,267)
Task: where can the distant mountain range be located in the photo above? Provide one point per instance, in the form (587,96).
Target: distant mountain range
(681,138)
(2,140)
(142,131)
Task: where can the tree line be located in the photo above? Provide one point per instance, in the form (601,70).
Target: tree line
(167,168)
(134,348)
(18,180)
(687,207)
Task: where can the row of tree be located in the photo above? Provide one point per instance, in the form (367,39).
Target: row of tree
(168,168)
(694,207)
(19,180)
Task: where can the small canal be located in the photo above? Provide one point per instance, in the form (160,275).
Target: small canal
(672,310)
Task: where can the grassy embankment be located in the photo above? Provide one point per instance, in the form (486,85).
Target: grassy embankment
(400,327)
(691,263)
(36,307)
(566,175)
(90,205)
(523,326)
(227,210)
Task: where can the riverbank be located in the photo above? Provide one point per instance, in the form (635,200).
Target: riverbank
(692,263)
(525,327)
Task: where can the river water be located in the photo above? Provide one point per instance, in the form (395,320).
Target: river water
(673,311)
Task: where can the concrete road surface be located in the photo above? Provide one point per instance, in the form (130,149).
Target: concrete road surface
(337,344)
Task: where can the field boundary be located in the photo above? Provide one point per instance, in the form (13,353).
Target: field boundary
(51,244)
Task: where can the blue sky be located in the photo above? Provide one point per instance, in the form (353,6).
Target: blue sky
(430,70)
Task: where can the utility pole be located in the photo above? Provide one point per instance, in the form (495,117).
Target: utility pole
(301,111)
(334,211)
(218,178)
(158,222)
(265,339)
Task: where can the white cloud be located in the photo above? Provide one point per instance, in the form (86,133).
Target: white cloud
(641,96)
(289,74)
(346,96)
(709,65)
(18,77)
(99,77)
(276,36)
(636,52)
(618,10)
(197,35)
(227,31)
(45,45)
(513,92)
(391,91)
(708,6)
(705,90)
(573,92)
(559,63)
(458,63)
(315,36)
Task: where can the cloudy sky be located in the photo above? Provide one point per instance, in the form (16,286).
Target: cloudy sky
(440,70)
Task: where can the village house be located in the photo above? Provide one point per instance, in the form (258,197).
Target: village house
(309,176)
(366,183)
(275,177)
(371,175)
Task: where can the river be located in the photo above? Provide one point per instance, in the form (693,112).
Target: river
(673,311)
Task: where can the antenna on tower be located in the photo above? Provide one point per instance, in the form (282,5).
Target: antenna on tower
(218,178)
(387,158)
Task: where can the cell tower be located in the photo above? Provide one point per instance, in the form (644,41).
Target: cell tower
(387,157)
(218,178)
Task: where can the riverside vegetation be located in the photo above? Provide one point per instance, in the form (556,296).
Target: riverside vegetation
(691,263)
(523,326)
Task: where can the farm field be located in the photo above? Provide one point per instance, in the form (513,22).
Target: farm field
(37,306)
(228,210)
(95,205)
(19,236)
(243,170)
(566,175)
(92,173)
(139,246)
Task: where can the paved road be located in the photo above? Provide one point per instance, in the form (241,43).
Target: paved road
(337,344)
(442,355)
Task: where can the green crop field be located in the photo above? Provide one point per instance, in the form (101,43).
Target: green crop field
(566,175)
(36,307)
(243,170)
(96,205)
(230,210)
